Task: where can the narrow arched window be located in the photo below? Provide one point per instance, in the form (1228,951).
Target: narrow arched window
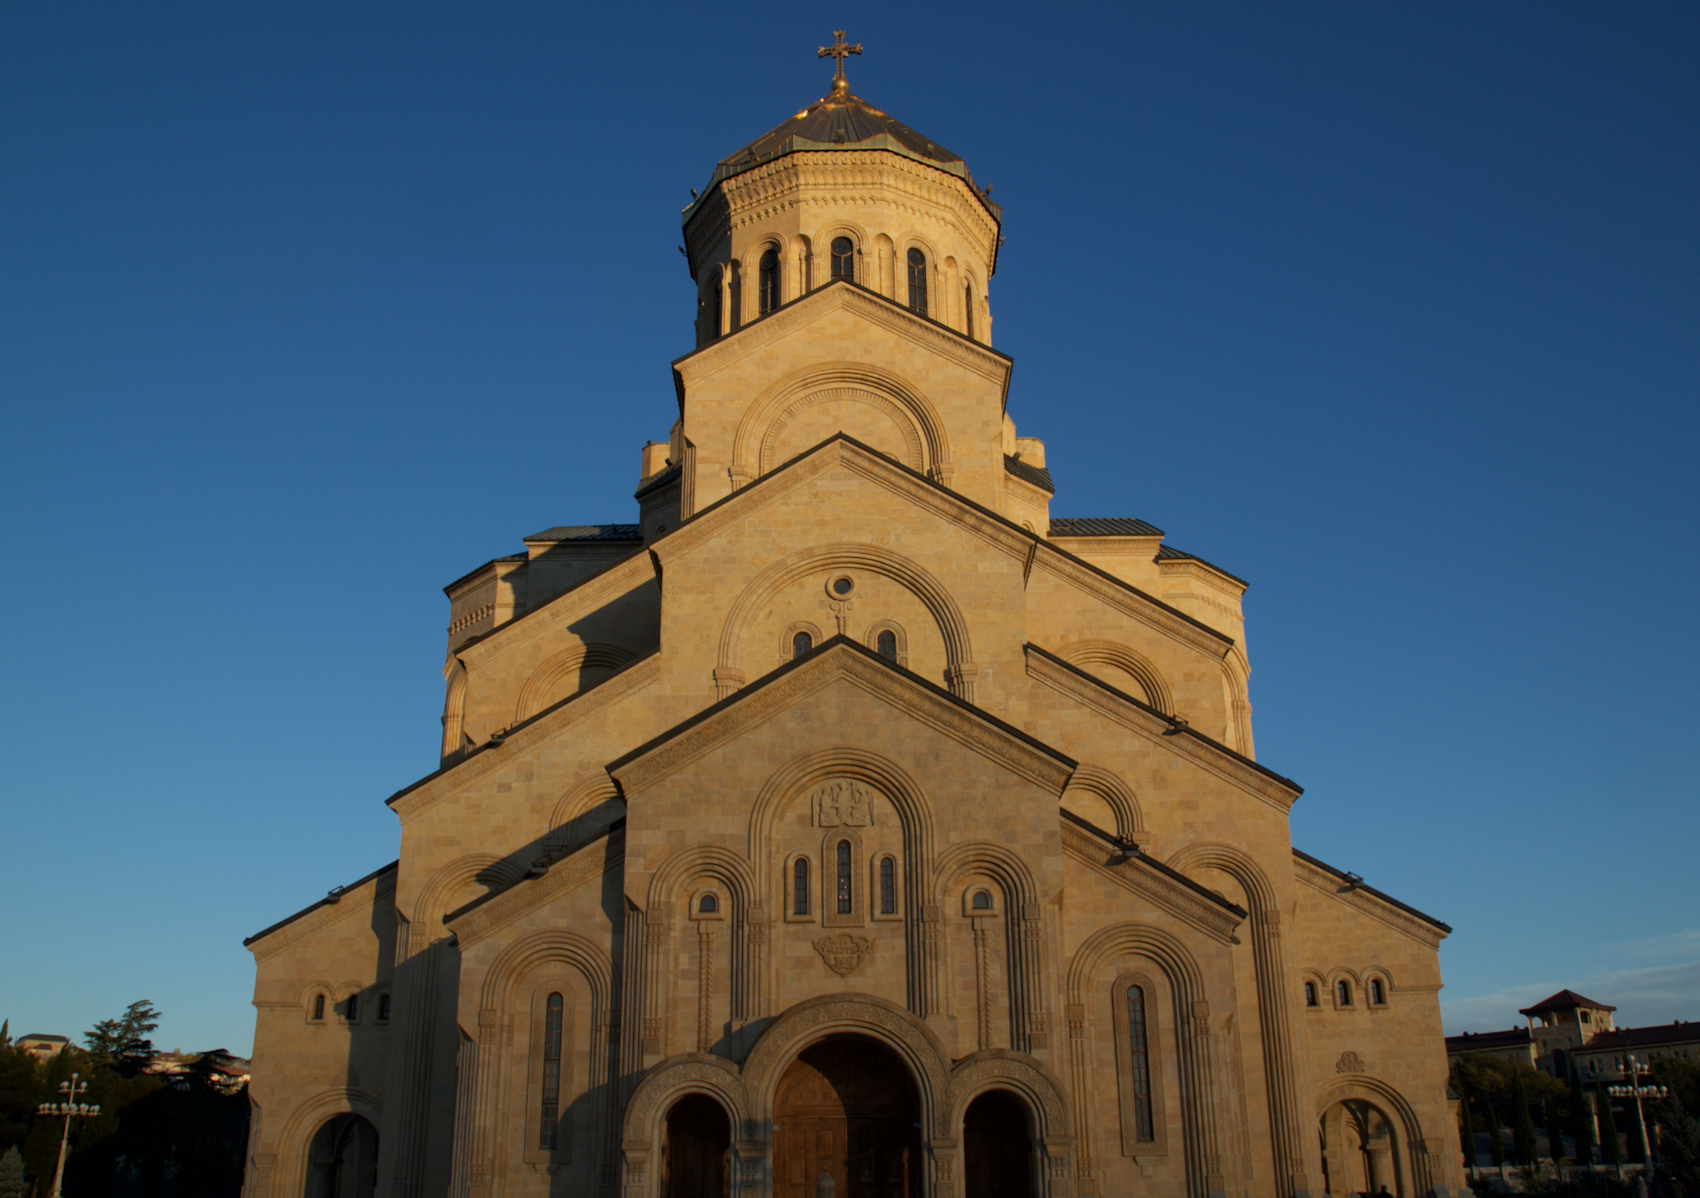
(968,309)
(318,1006)
(887,643)
(1343,990)
(844,259)
(716,306)
(549,1121)
(383,1008)
(1377,993)
(844,896)
(800,887)
(981,901)
(767,283)
(801,644)
(917,282)
(352,1008)
(1140,1053)
(710,905)
(888,887)
(1310,994)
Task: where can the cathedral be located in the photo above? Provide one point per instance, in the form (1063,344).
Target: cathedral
(848,825)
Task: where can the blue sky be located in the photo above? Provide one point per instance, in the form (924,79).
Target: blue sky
(311,308)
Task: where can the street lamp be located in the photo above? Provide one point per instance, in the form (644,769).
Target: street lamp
(1637,1091)
(70,1109)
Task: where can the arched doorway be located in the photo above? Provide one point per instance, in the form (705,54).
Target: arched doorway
(1359,1150)
(342,1160)
(997,1154)
(694,1157)
(847,1122)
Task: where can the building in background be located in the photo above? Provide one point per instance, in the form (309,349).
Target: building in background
(1567,1028)
(42,1047)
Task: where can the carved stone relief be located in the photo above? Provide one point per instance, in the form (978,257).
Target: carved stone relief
(1349,1062)
(844,952)
(843,803)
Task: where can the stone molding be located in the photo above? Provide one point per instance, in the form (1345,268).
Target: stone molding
(1113,790)
(1219,580)
(1171,897)
(559,665)
(1046,769)
(924,429)
(540,730)
(1377,909)
(1130,661)
(592,861)
(1207,755)
(1133,602)
(569,605)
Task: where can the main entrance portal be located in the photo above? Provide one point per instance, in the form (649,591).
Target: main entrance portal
(847,1124)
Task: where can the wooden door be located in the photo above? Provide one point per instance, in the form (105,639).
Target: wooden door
(847,1111)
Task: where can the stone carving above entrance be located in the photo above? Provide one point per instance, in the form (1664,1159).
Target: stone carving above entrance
(842,803)
(1349,1062)
(844,952)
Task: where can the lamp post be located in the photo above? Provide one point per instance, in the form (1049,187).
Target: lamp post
(1637,1091)
(71,1109)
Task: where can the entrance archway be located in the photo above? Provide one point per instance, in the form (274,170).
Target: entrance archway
(1360,1150)
(342,1159)
(846,1121)
(694,1154)
(997,1157)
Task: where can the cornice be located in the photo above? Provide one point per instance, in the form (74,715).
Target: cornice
(1368,903)
(1158,729)
(1131,601)
(494,756)
(842,659)
(843,451)
(1135,874)
(839,295)
(1204,572)
(605,853)
(617,580)
(324,913)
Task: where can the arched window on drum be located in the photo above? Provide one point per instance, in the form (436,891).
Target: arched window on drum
(844,259)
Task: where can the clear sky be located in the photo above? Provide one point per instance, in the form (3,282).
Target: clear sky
(310,308)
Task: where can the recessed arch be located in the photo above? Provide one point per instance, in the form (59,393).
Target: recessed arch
(295,1140)
(1089,653)
(578,800)
(547,678)
(1109,786)
(454,712)
(876,559)
(1420,1165)
(442,893)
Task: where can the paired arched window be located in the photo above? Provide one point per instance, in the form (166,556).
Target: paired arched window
(383,1008)
(351,1009)
(549,1120)
(767,282)
(917,282)
(801,644)
(1343,992)
(846,895)
(888,886)
(1139,1065)
(318,1008)
(1310,995)
(1377,993)
(800,887)
(844,259)
(887,643)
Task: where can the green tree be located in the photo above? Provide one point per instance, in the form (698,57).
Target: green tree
(1555,1133)
(1522,1127)
(1496,1140)
(1581,1119)
(1467,1131)
(1611,1149)
(20,1091)
(122,1044)
(11,1174)
(1679,1145)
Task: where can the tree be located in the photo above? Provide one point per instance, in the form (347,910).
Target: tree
(12,1174)
(1522,1127)
(122,1044)
(1679,1146)
(1467,1132)
(1581,1119)
(1555,1136)
(1611,1150)
(20,1091)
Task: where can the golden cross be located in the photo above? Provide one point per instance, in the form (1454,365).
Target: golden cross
(838,50)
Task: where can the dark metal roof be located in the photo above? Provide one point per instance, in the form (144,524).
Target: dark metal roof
(1358,884)
(1565,1000)
(590,532)
(841,121)
(512,557)
(1037,475)
(1681,1032)
(1101,526)
(1165,554)
(656,481)
(1517,1037)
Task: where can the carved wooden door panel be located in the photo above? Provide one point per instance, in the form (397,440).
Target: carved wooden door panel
(846,1110)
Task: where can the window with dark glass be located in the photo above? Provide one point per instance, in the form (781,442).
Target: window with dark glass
(1139,1050)
(844,903)
(318,1006)
(1310,994)
(843,259)
(383,1008)
(801,644)
(767,284)
(715,306)
(968,308)
(550,1122)
(1344,990)
(353,1008)
(981,901)
(888,887)
(888,645)
(800,887)
(917,282)
(1377,995)
(709,905)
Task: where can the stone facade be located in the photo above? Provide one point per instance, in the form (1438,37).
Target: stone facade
(846,741)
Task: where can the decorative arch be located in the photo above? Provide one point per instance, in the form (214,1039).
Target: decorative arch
(296,1138)
(474,869)
(1236,675)
(1086,654)
(1420,1163)
(533,696)
(1023,929)
(754,601)
(747,913)
(454,712)
(582,797)
(665,1084)
(871,638)
(995,860)
(897,397)
(1108,786)
(1036,1087)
